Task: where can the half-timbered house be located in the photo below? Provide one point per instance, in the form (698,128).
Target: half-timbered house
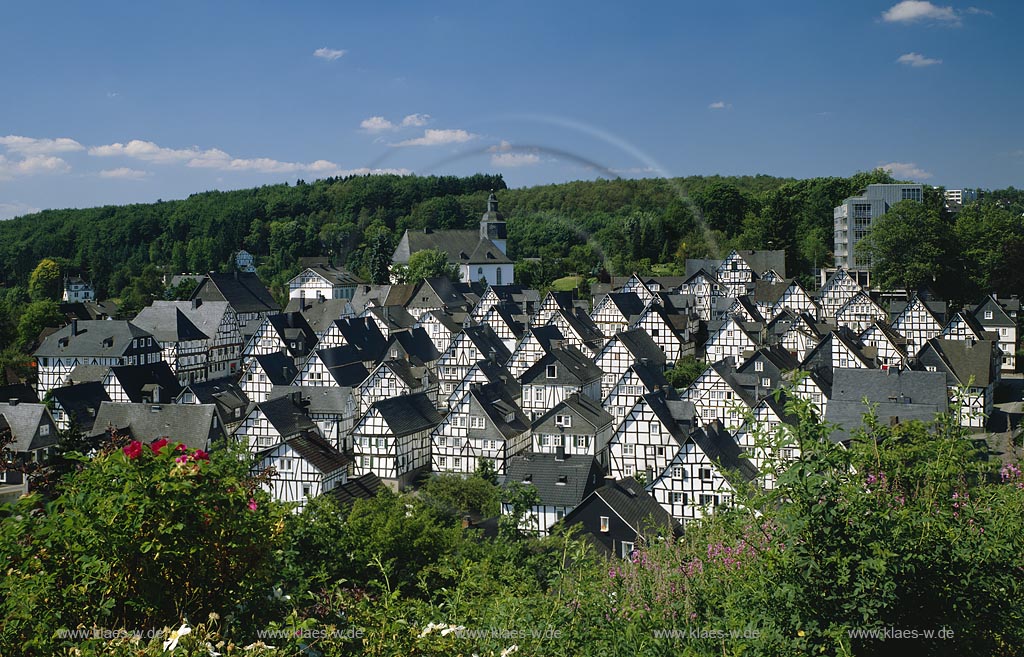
(999,316)
(392,439)
(917,323)
(274,421)
(301,468)
(859,312)
(195,425)
(649,437)
(621,516)
(972,371)
(561,481)
(576,425)
(734,338)
(183,346)
(474,343)
(624,349)
(264,371)
(617,311)
(640,379)
(562,371)
(486,424)
(154,383)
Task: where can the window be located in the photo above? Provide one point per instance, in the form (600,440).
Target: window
(759,366)
(628,471)
(538,394)
(708,499)
(285,465)
(677,498)
(563,420)
(988,314)
(442,462)
(627,549)
(457,464)
(552,371)
(581,442)
(705,474)
(628,450)
(660,450)
(476,422)
(677,472)
(499,276)
(604,523)
(44,429)
(559,514)
(306,490)
(766,382)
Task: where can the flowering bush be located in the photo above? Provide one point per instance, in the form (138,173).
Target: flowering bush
(138,536)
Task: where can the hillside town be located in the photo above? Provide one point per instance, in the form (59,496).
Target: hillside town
(353,386)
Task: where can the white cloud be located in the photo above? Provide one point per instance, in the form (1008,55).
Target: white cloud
(514,159)
(124,173)
(439,138)
(906,171)
(912,11)
(16,209)
(378,124)
(978,11)
(329,54)
(917,61)
(145,150)
(31,165)
(720,104)
(32,146)
(415,120)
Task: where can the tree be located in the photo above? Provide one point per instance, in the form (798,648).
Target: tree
(722,205)
(429,263)
(453,496)
(379,251)
(909,246)
(45,281)
(37,316)
(685,372)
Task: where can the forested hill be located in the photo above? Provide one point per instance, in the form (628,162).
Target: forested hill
(643,222)
(619,226)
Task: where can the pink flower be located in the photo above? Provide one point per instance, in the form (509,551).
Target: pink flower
(133,449)
(159,445)
(200,455)
(252,504)
(181,459)
(181,448)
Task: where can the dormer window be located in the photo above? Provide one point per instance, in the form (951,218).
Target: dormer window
(988,314)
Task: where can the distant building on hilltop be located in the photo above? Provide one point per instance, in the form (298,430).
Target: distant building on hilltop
(957,198)
(478,254)
(245,262)
(853,218)
(76,290)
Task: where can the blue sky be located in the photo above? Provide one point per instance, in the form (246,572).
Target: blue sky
(123,102)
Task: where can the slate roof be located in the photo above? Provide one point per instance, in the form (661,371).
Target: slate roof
(572,368)
(641,346)
(495,400)
(191,424)
(408,414)
(224,391)
(288,418)
(906,395)
(326,400)
(720,446)
(403,372)
(90,340)
(580,474)
(395,318)
(440,290)
(140,382)
(707,266)
(488,343)
(81,402)
(498,373)
(319,313)
(279,368)
(23,392)
(206,316)
(318,452)
(675,415)
(360,488)
(292,327)
(628,304)
(999,307)
(628,499)
(24,421)
(168,325)
(364,334)
(244,291)
(581,408)
(463,247)
(965,359)
(584,327)
(762,261)
(416,344)
(86,310)
(87,373)
(334,275)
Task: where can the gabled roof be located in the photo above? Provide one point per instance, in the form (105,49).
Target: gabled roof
(463,247)
(24,421)
(1000,317)
(634,505)
(972,323)
(81,402)
(768,292)
(317,399)
(85,310)
(291,327)
(244,291)
(360,488)
(279,368)
(319,313)
(498,373)
(23,392)
(139,382)
(439,290)
(395,318)
(364,334)
(676,416)
(581,407)
(487,342)
(204,315)
(94,338)
(334,275)
(286,416)
(416,344)
(641,346)
(892,335)
(402,371)
(894,395)
(581,323)
(168,324)
(653,377)
(965,360)
(317,452)
(446,320)
(720,446)
(579,476)
(496,401)
(572,368)
(762,261)
(408,414)
(628,304)
(191,424)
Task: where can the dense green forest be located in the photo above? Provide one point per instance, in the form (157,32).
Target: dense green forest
(588,228)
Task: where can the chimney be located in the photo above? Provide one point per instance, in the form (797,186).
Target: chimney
(74,327)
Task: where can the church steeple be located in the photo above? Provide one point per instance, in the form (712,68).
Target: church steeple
(492,224)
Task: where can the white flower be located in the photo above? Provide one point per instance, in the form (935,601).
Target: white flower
(452,628)
(428,629)
(209,648)
(259,645)
(172,643)
(508,651)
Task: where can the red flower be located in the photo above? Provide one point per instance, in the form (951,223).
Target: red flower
(200,455)
(133,449)
(159,445)
(181,447)
(252,504)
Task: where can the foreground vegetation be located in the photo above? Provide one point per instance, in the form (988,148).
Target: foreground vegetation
(909,529)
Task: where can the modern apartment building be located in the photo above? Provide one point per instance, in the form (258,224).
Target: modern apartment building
(853,218)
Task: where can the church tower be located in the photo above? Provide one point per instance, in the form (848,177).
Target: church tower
(492,225)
